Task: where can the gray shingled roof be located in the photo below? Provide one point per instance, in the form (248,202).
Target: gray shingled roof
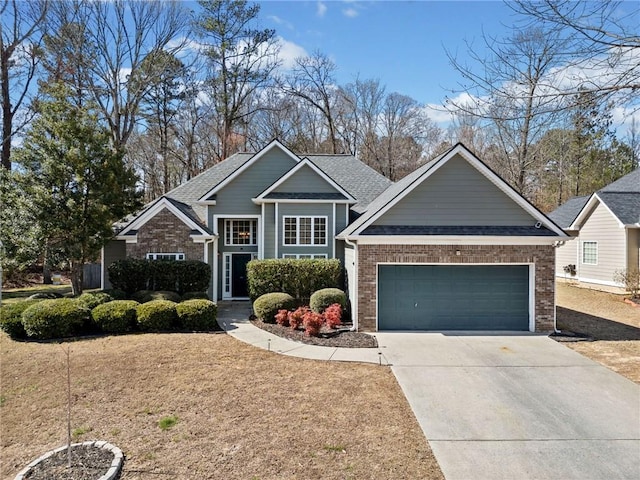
(497,231)
(359,180)
(625,206)
(566,213)
(622,197)
(629,183)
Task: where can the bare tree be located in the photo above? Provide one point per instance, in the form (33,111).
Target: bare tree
(600,44)
(20,38)
(507,89)
(242,60)
(312,80)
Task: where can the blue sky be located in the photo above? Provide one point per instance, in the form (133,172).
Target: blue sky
(400,42)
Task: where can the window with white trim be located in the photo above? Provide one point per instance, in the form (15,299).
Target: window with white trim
(314,256)
(165,256)
(590,253)
(240,232)
(305,231)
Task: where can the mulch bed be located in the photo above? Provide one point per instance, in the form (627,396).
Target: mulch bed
(87,463)
(327,338)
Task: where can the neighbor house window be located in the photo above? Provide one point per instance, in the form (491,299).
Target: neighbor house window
(240,232)
(305,230)
(590,253)
(165,256)
(314,256)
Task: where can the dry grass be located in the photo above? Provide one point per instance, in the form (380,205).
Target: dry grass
(614,325)
(241,412)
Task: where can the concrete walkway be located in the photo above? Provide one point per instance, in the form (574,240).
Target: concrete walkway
(233,317)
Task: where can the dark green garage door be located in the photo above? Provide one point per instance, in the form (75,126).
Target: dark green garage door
(453,297)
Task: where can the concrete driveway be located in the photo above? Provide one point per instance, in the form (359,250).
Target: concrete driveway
(517,407)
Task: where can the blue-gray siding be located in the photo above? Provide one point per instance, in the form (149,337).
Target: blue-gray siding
(456,194)
(305,180)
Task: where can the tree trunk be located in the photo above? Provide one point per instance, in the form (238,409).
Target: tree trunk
(7,113)
(77,274)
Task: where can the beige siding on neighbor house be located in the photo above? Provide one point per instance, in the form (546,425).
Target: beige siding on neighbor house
(602,227)
(457,194)
(633,248)
(566,255)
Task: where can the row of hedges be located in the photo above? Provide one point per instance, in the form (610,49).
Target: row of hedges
(131,275)
(64,317)
(297,277)
(267,306)
(312,322)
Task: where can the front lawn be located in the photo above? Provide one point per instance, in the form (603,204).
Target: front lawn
(613,324)
(235,411)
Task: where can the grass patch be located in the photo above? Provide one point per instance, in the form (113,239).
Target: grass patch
(238,405)
(76,433)
(166,423)
(335,448)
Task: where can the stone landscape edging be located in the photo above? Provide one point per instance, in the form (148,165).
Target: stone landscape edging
(114,469)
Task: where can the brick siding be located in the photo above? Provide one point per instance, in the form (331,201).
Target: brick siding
(165,233)
(542,256)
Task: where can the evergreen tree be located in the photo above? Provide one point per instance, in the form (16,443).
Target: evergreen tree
(80,183)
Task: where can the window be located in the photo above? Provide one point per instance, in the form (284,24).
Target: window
(305,230)
(590,253)
(240,232)
(165,256)
(314,256)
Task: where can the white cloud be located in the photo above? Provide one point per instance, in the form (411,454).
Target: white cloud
(350,12)
(289,51)
(321,10)
(280,21)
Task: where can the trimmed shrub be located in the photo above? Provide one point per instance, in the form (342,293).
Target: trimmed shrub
(115,293)
(91,300)
(312,322)
(116,316)
(57,318)
(267,306)
(129,275)
(333,315)
(325,297)
(297,316)
(142,296)
(192,276)
(156,315)
(11,318)
(132,275)
(192,295)
(282,318)
(197,314)
(299,278)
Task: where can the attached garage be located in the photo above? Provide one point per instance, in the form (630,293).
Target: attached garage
(453,297)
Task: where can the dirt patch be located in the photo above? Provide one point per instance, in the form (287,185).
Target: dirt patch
(613,325)
(87,463)
(241,412)
(341,338)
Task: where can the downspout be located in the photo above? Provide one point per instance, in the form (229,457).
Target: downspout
(354,313)
(214,270)
(555,290)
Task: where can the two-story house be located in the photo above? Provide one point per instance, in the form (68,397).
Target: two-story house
(450,246)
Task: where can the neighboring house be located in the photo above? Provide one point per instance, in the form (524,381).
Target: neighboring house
(606,227)
(449,247)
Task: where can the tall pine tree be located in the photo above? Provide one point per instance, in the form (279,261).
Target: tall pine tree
(81,185)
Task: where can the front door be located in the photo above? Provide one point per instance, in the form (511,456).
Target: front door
(239,287)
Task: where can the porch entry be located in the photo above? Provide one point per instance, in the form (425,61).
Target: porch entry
(235,275)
